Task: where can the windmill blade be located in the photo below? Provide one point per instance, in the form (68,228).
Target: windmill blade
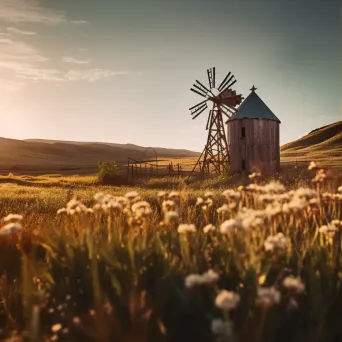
(224,80)
(204,108)
(199,109)
(211,77)
(223,110)
(224,86)
(204,87)
(209,120)
(228,109)
(229,85)
(197,92)
(201,90)
(198,104)
(214,77)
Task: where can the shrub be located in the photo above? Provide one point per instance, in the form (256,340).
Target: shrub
(108,174)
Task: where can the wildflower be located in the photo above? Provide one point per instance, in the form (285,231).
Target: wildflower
(209,194)
(274,187)
(161,194)
(227,300)
(204,204)
(208,228)
(61,211)
(306,193)
(210,277)
(275,242)
(294,284)
(222,328)
(312,166)
(227,226)
(267,297)
(99,196)
(336,223)
(72,204)
(223,209)
(255,175)
(171,216)
(231,194)
(320,176)
(339,189)
(168,205)
(114,206)
(12,217)
(56,327)
(173,195)
(186,228)
(193,280)
(131,195)
(10,228)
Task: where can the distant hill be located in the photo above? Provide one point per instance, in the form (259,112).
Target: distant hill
(161,151)
(323,144)
(38,154)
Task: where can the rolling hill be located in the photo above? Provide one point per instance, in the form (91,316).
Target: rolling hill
(323,145)
(49,155)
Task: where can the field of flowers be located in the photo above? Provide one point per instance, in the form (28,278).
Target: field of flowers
(255,263)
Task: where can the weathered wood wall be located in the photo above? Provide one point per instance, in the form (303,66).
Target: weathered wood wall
(260,148)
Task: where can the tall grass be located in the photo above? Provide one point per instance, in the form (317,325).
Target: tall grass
(257,263)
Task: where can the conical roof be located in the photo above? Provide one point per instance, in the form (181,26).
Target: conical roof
(254,108)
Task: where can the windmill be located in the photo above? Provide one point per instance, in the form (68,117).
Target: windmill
(224,101)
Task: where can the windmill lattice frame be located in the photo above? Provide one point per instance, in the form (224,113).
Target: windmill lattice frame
(224,100)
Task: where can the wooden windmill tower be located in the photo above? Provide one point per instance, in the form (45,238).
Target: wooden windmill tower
(224,100)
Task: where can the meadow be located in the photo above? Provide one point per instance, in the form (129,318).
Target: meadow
(238,259)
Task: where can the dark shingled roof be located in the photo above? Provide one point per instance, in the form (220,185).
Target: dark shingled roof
(254,108)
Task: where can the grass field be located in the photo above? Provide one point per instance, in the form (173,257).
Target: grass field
(257,263)
(225,259)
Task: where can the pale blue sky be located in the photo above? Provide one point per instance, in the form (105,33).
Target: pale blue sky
(121,71)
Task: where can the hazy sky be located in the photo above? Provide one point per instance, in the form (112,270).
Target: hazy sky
(121,70)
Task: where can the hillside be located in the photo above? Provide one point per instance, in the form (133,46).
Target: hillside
(323,144)
(161,152)
(21,155)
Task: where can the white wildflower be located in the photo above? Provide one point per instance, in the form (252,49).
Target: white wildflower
(209,194)
(131,195)
(231,194)
(186,228)
(294,284)
(267,297)
(161,194)
(223,209)
(275,242)
(11,228)
(193,280)
(171,216)
(255,175)
(173,195)
(208,228)
(61,211)
(227,300)
(274,187)
(312,166)
(210,277)
(229,225)
(168,205)
(12,217)
(56,327)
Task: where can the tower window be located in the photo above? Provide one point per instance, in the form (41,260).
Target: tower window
(243,165)
(243,132)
